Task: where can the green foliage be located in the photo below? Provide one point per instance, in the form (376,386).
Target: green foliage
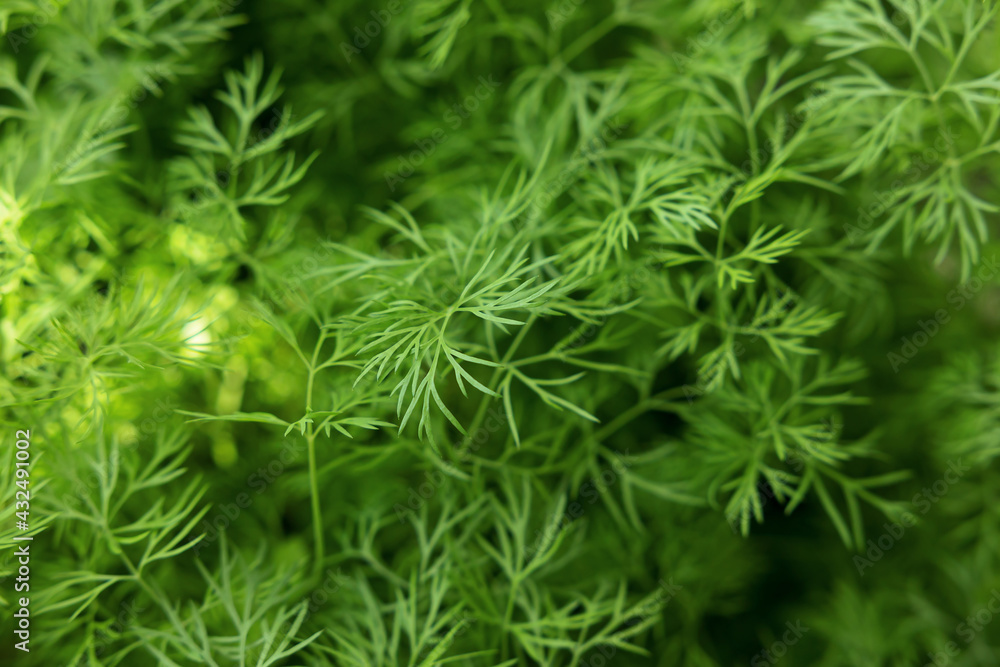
(498,333)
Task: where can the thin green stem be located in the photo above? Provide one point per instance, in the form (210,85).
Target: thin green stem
(495,378)
(643,406)
(317,516)
(587,39)
(508,615)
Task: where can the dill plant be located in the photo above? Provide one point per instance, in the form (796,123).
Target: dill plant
(684,334)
